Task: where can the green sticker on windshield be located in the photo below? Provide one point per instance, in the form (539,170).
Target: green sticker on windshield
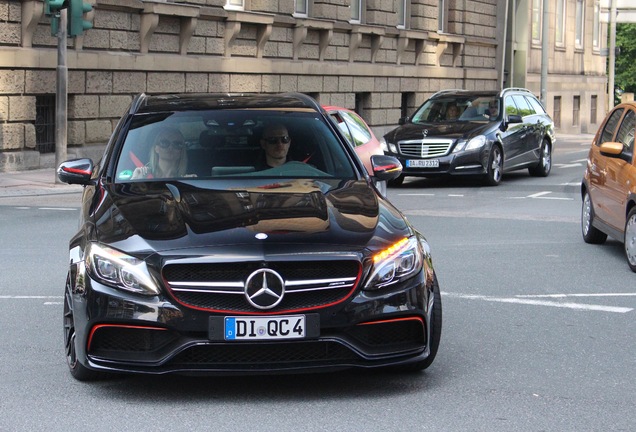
(125,175)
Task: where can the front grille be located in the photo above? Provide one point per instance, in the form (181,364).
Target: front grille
(220,286)
(425,148)
(264,355)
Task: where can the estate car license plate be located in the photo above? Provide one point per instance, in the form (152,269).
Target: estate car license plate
(422,163)
(265,328)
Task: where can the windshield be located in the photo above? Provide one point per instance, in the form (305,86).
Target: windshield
(444,109)
(225,144)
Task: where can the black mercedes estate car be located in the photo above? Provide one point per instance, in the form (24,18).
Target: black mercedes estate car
(225,233)
(477,133)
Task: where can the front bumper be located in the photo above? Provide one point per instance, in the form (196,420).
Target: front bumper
(121,332)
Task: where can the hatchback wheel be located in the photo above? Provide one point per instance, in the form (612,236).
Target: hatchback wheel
(78,370)
(630,239)
(545,161)
(495,166)
(590,234)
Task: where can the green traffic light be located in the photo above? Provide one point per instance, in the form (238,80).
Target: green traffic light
(76,22)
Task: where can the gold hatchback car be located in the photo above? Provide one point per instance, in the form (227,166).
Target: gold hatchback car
(609,185)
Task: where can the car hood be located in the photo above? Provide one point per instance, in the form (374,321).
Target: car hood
(452,130)
(158,216)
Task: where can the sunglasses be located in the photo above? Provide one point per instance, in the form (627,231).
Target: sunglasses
(285,139)
(165,143)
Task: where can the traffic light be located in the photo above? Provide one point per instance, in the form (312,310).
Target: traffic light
(76,22)
(52,7)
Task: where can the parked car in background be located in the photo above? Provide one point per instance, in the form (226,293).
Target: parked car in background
(359,135)
(196,253)
(474,133)
(609,183)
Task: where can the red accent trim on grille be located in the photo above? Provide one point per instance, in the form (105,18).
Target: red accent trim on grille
(98,326)
(421,320)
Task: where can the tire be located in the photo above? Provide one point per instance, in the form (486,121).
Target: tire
(77,369)
(435,333)
(396,182)
(590,234)
(630,239)
(495,166)
(545,161)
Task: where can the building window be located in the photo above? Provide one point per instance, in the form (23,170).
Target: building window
(442,16)
(537,7)
(301,7)
(556,112)
(576,110)
(560,23)
(596,31)
(235,4)
(593,105)
(356,11)
(45,123)
(580,21)
(401,13)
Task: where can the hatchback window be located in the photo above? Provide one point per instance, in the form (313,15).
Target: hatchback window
(625,134)
(610,126)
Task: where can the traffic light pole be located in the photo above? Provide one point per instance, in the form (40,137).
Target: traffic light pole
(61,93)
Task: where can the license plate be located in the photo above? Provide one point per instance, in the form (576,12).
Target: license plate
(265,328)
(422,163)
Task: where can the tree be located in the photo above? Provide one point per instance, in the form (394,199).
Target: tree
(625,67)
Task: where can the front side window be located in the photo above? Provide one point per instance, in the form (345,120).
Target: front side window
(625,134)
(523,106)
(511,108)
(610,126)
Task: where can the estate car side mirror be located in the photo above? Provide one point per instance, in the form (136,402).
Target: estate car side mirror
(403,120)
(512,119)
(76,171)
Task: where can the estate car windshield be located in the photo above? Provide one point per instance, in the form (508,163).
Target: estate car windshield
(458,108)
(225,144)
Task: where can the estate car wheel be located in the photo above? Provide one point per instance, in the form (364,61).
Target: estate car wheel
(435,333)
(590,234)
(495,166)
(545,162)
(630,239)
(78,371)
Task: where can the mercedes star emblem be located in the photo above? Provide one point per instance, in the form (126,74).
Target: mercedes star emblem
(264,289)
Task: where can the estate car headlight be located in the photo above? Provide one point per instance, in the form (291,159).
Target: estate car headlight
(114,268)
(396,263)
(472,144)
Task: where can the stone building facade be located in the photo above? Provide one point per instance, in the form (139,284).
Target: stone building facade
(380,57)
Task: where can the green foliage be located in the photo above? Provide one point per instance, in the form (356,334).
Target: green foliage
(625,68)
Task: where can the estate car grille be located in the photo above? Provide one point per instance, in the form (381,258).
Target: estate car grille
(425,148)
(221,286)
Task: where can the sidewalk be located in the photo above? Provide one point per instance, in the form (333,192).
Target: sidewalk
(34,183)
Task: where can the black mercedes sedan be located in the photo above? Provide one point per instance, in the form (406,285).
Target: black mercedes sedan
(239,233)
(482,134)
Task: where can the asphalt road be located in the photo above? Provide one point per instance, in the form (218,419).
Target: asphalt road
(538,329)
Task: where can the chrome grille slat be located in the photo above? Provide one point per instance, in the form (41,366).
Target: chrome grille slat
(425,148)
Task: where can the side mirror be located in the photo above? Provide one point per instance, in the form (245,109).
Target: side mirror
(385,167)
(512,119)
(611,149)
(403,120)
(76,171)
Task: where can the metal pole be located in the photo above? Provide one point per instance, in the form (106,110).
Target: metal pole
(612,56)
(544,53)
(61,95)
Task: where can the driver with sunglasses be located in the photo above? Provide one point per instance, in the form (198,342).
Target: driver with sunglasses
(275,142)
(167,156)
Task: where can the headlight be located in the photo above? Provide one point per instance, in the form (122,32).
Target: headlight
(387,147)
(116,269)
(396,263)
(472,144)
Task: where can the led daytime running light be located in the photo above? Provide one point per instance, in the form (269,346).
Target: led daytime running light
(395,247)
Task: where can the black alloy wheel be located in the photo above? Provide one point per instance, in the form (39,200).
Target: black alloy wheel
(590,234)
(78,370)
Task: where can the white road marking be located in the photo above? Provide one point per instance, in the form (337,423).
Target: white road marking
(416,194)
(455,195)
(577,295)
(526,301)
(541,195)
(57,208)
(21,297)
(570,165)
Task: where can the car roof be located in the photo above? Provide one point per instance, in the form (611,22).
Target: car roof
(335,108)
(202,101)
